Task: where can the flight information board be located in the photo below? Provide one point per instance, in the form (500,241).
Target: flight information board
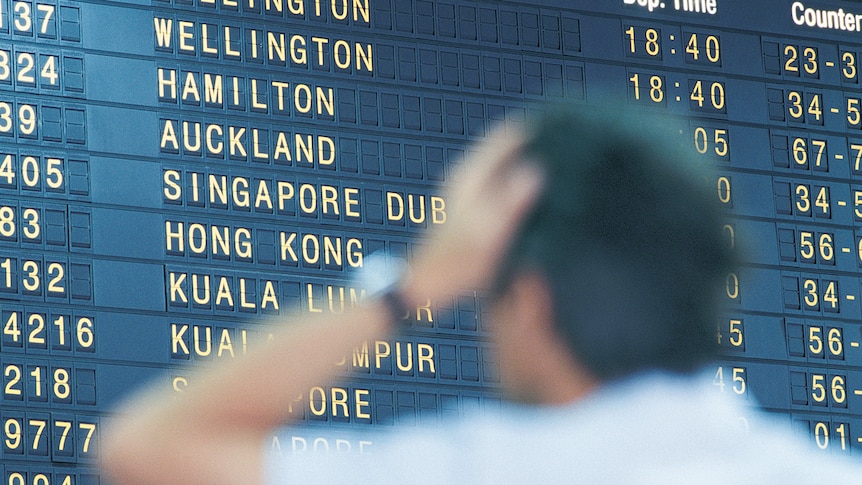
(174,172)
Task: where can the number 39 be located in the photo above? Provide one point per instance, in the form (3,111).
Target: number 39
(26,117)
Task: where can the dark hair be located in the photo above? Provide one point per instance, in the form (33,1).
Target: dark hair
(629,239)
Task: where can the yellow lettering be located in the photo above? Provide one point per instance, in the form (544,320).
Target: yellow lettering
(351,199)
(364,58)
(270,298)
(307,198)
(310,293)
(228,50)
(329,199)
(186,35)
(425,356)
(200,294)
(178,343)
(197,239)
(337,298)
(285,193)
(169,137)
(341,54)
(235,91)
(298,52)
(236,146)
(172,189)
(225,343)
(360,356)
(176,291)
(254,53)
(282,148)
(302,98)
(394,206)
(239,188)
(404,367)
(381,351)
(275,45)
(262,196)
(426,310)
(339,401)
(310,243)
(276,3)
(195,187)
(169,81)
(254,97)
(213,89)
(163,31)
(215,145)
(325,150)
(332,251)
(205,47)
(243,295)
(438,210)
(325,100)
(188,144)
(224,296)
(279,90)
(354,252)
(363,403)
(416,219)
(242,242)
(339,15)
(331,298)
(206,340)
(190,88)
(174,235)
(361,10)
(179,383)
(255,146)
(317,401)
(287,241)
(320,41)
(303,147)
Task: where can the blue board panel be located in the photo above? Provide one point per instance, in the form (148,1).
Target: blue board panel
(175,173)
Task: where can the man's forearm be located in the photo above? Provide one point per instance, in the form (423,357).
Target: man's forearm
(228,410)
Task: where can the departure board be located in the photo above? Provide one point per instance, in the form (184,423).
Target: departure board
(175,172)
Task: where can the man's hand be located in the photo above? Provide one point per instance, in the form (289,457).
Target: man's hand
(491,195)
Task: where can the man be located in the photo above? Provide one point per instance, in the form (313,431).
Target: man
(603,252)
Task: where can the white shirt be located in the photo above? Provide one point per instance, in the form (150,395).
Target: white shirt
(653,428)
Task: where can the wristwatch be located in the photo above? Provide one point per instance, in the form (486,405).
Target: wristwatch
(381,276)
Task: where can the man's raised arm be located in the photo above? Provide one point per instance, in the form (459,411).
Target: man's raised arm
(213,432)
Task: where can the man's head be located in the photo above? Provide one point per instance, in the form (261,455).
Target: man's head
(628,241)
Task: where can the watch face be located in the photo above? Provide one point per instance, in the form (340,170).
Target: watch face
(379,273)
